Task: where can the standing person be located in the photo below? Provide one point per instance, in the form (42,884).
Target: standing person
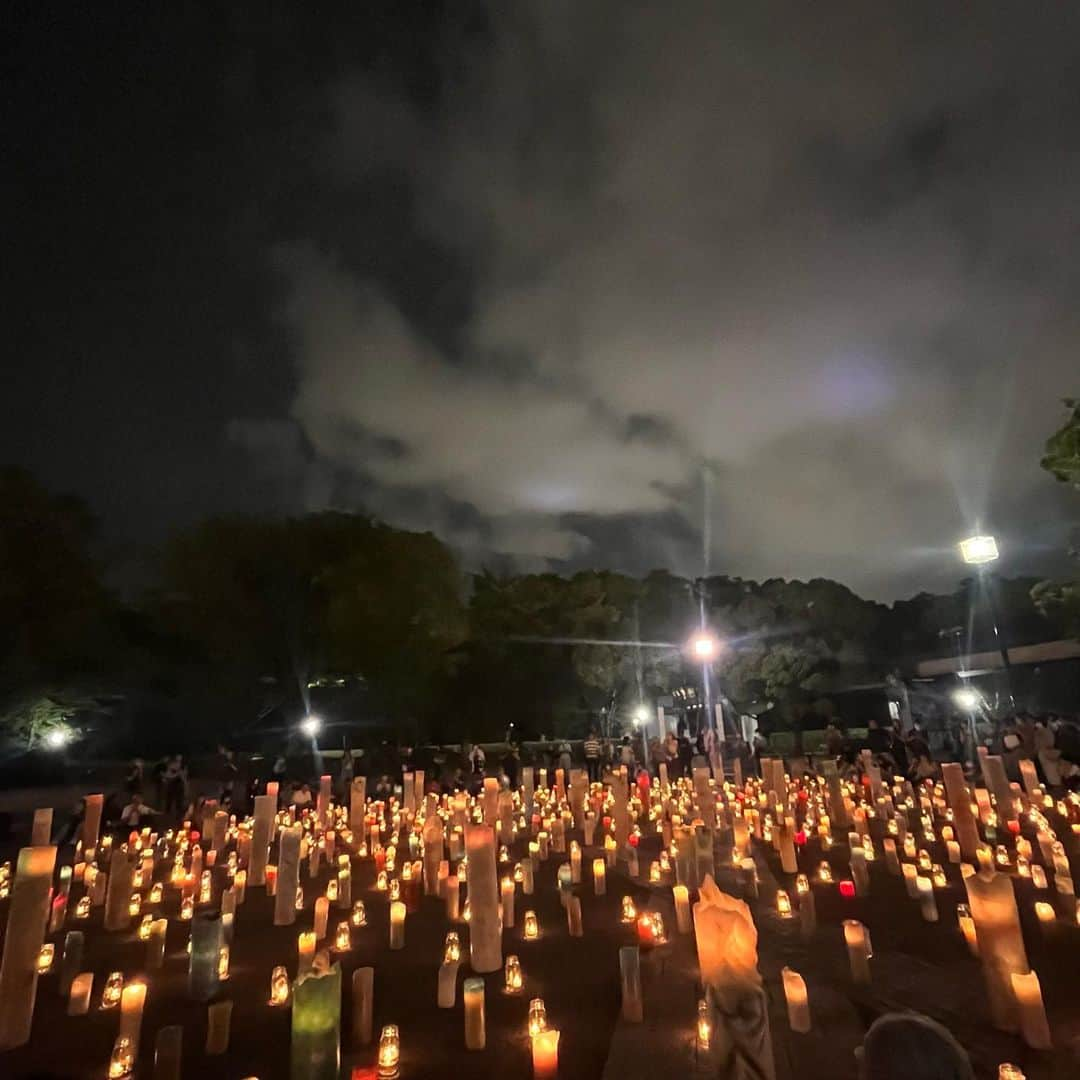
(671,750)
(592,757)
(174,784)
(565,761)
(626,758)
(135,813)
(761,748)
(133,782)
(477,760)
(511,764)
(229,772)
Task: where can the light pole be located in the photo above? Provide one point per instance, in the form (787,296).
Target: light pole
(704,648)
(640,721)
(968,699)
(982,552)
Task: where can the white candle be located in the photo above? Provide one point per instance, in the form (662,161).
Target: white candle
(911,874)
(507,892)
(545,1053)
(682,908)
(397,925)
(475,1038)
(81,987)
(798,1005)
(858,945)
(447,987)
(630,971)
(1033,1025)
(322,915)
(218,1016)
(927,902)
(132,1000)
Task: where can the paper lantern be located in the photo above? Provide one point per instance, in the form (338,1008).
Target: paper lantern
(389,1052)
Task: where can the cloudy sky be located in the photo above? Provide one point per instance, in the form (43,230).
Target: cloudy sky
(778,289)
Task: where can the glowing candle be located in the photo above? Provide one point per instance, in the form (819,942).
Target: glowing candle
(132,1001)
(682,908)
(545,1054)
(927,902)
(279,987)
(967,928)
(783,904)
(397,925)
(531,926)
(122,1059)
(537,1016)
(857,939)
(447,984)
(507,892)
(322,916)
(287,876)
(704,1025)
(1001,944)
(512,977)
(485,938)
(343,937)
(305,949)
(628,913)
(1029,1002)
(389,1053)
(474,1014)
(798,1005)
(271,879)
(114,987)
(45,958)
(1010,1072)
(911,874)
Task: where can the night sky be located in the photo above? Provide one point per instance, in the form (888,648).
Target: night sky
(570,284)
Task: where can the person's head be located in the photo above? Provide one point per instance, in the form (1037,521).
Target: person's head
(903,1046)
(592,733)
(136,799)
(872,725)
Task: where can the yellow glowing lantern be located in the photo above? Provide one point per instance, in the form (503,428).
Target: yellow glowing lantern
(924,859)
(122,1060)
(628,913)
(395,887)
(135,905)
(938,876)
(45,958)
(279,986)
(187,907)
(359,914)
(802,885)
(144,927)
(512,975)
(654,873)
(205,888)
(343,937)
(381,881)
(783,904)
(389,1052)
(82,908)
(114,988)
(519,873)
(537,1016)
(452,948)
(223,963)
(156,891)
(531,926)
(466,911)
(332,890)
(704,1024)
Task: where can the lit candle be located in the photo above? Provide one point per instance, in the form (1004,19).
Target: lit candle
(279,987)
(45,958)
(322,916)
(1001,944)
(599,869)
(911,874)
(474,1014)
(485,937)
(1045,912)
(682,908)
(122,1059)
(507,891)
(389,1053)
(132,1001)
(343,937)
(545,1054)
(1029,1002)
(447,985)
(927,902)
(783,904)
(512,976)
(305,949)
(798,1005)
(397,925)
(537,1016)
(967,928)
(857,938)
(531,926)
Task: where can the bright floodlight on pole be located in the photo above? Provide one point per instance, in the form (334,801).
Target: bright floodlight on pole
(310,726)
(966,699)
(704,646)
(979,550)
(641,715)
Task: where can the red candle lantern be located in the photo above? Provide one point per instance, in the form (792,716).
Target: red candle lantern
(847,889)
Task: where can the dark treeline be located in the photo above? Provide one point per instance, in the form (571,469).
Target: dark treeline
(253,622)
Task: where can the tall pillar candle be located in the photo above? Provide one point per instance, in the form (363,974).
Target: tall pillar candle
(506,890)
(491,801)
(447,987)
(288,876)
(219,825)
(527,875)
(433,853)
(261,834)
(79,999)
(204,978)
(118,892)
(155,945)
(545,1053)
(967,832)
(91,825)
(316,1025)
(927,901)
(28,913)
(857,939)
(363,1005)
(71,963)
(681,895)
(1032,1013)
(798,1005)
(132,1002)
(397,924)
(322,802)
(630,976)
(453,898)
(218,1022)
(168,1052)
(59,906)
(485,939)
(998,782)
(41,830)
(322,916)
(475,1035)
(1001,944)
(357,808)
(573,917)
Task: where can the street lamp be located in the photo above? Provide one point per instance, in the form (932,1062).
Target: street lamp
(981,551)
(966,699)
(641,715)
(310,726)
(704,646)
(57,738)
